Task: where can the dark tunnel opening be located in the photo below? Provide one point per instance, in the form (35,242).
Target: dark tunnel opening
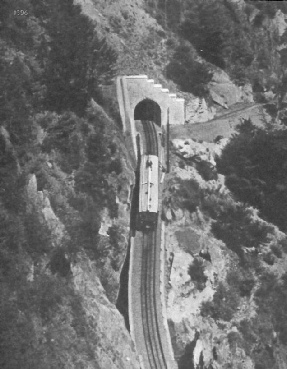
(148,110)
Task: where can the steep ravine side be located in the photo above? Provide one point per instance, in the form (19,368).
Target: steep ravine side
(63,247)
(215,298)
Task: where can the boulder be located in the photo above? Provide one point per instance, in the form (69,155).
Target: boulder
(225,93)
(197,111)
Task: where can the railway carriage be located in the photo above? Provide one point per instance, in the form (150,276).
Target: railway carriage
(148,191)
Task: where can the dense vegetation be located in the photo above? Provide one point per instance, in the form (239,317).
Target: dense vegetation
(234,223)
(269,323)
(255,247)
(254,164)
(52,62)
(238,40)
(189,74)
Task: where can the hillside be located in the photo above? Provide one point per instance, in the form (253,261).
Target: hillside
(226,277)
(214,52)
(66,178)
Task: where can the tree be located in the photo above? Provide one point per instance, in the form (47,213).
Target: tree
(254,163)
(208,27)
(189,74)
(196,272)
(78,60)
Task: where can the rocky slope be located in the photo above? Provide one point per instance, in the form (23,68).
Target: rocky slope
(146,40)
(66,178)
(59,287)
(213,292)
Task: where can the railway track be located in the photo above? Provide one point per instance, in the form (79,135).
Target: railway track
(151,142)
(151,331)
(156,356)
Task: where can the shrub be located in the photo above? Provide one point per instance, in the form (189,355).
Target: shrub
(224,304)
(205,27)
(189,74)
(102,158)
(37,235)
(64,135)
(283,244)
(196,272)
(253,163)
(186,360)
(241,280)
(116,166)
(271,298)
(206,170)
(236,228)
(277,250)
(234,340)
(89,228)
(170,42)
(78,60)
(258,329)
(60,263)
(188,194)
(269,258)
(117,242)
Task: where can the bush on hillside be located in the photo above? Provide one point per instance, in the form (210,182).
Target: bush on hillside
(213,27)
(268,8)
(224,304)
(241,280)
(78,60)
(236,228)
(271,298)
(196,272)
(233,222)
(187,194)
(257,342)
(254,164)
(189,74)
(18,81)
(52,63)
(65,135)
(258,332)
(116,238)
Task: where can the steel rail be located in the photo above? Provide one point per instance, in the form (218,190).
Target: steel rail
(144,302)
(151,276)
(148,139)
(149,317)
(155,352)
(157,330)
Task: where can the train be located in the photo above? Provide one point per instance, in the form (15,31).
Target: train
(148,192)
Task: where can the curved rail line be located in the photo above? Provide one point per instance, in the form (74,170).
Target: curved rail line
(150,137)
(155,352)
(149,314)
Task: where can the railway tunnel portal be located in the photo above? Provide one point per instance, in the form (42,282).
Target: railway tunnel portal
(148,110)
(141,98)
(144,104)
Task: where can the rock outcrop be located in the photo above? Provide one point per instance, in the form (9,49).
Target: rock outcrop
(109,341)
(197,110)
(225,93)
(200,264)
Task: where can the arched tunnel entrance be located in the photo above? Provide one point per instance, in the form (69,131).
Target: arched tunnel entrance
(148,110)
